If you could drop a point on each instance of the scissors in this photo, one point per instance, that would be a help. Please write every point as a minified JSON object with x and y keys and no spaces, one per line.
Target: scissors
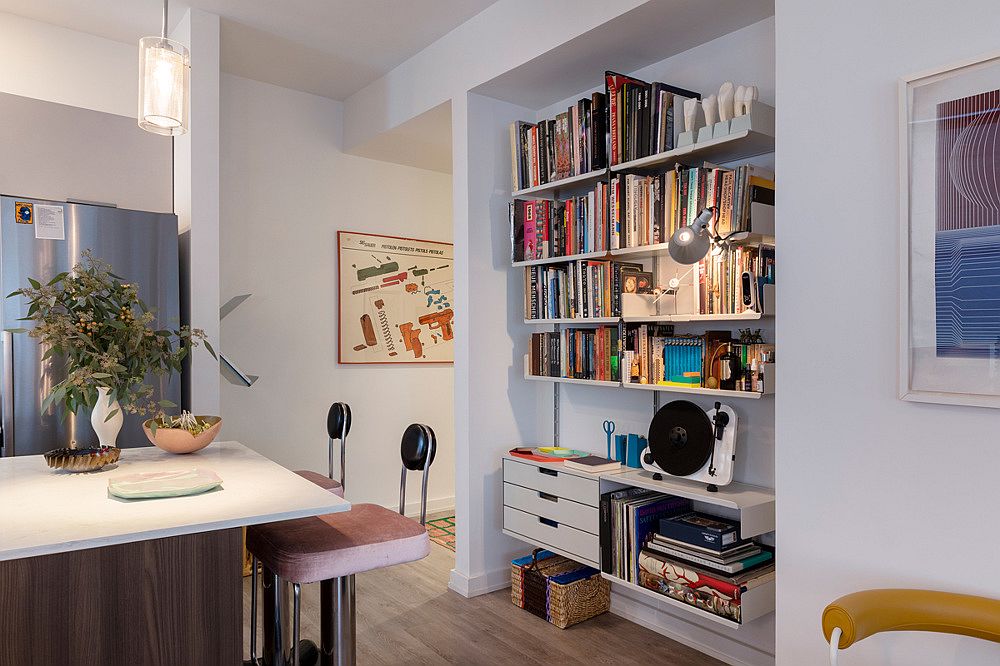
{"x":609,"y":428}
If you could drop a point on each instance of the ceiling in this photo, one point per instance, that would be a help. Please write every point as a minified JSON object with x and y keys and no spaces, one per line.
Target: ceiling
{"x":327,"y":47}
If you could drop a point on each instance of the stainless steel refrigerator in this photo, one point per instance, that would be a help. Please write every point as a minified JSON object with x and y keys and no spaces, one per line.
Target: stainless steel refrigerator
{"x":141,"y":247}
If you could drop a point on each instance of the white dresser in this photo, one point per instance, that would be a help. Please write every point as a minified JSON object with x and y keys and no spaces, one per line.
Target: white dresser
{"x":554,"y":507}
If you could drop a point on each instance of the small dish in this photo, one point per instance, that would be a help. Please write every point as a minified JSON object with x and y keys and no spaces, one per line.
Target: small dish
{"x":82,"y":460}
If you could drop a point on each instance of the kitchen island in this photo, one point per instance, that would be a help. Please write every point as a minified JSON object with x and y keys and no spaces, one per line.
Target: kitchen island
{"x":87,"y":578}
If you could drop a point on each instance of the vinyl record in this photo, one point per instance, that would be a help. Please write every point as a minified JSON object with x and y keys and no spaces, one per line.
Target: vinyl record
{"x":680,"y":438}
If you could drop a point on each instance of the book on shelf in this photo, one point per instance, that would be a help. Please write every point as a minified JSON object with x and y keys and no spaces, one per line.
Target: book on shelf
{"x":641,"y":116}
{"x":575,"y":290}
{"x":572,"y":143}
{"x":631,"y":515}
{"x":715,"y":593}
{"x":541,"y":229}
{"x":731,"y":564}
{"x":702,"y":530}
{"x":653,"y":354}
{"x":593,"y":464}
{"x":575,"y":354}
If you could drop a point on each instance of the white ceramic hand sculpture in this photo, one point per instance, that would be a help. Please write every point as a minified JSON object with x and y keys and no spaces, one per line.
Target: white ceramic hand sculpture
{"x":738,"y":100}
{"x":710,"y":105}
{"x":726,"y":108}
{"x":749,"y":96}
{"x":690,"y":110}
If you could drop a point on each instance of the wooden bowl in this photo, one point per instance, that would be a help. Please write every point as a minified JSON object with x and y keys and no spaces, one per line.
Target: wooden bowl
{"x":82,"y":460}
{"x":178,"y":440}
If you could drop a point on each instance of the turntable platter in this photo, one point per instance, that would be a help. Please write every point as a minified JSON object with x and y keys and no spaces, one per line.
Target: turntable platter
{"x":680,"y":438}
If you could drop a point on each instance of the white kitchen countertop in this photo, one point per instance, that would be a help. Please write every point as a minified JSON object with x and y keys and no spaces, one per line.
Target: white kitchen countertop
{"x":44,"y":511}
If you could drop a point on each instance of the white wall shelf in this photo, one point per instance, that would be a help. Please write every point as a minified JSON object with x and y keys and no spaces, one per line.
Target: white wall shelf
{"x":712,"y":393}
{"x":583,"y":256}
{"x":550,"y":188}
{"x":667,"y":318}
{"x":722,"y":150}
{"x":753,"y":603}
{"x":755,"y":503}
{"x":568,"y":380}
{"x":575,"y":321}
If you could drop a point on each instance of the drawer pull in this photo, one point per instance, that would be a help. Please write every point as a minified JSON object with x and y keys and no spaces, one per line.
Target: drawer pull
{"x":550,"y":472}
{"x":546,"y":521}
{"x":546,"y":496}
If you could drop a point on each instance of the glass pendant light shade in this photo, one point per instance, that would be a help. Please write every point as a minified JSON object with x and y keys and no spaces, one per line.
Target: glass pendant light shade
{"x":164,"y":86}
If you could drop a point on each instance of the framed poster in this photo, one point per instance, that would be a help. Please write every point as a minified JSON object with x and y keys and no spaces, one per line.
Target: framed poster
{"x":950,"y":234}
{"x":396,"y":299}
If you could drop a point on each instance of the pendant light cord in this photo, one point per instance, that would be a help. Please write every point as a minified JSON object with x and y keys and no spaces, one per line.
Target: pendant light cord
{"x":163,"y":33}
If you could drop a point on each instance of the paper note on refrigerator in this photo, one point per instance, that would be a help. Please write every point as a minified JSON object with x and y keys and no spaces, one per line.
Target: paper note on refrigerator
{"x":49,"y":222}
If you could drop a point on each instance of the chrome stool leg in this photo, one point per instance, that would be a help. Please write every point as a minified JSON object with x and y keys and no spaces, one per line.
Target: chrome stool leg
{"x":339,"y":631}
{"x":276,"y":651}
{"x":296,"y":615}
{"x":253,"y":614}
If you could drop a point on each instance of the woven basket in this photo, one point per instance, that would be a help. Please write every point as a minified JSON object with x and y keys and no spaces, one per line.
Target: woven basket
{"x":557,"y":589}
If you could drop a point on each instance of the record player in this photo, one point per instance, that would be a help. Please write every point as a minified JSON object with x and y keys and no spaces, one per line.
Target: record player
{"x":693,"y":443}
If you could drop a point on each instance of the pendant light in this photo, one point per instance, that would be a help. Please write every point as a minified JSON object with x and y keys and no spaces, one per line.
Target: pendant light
{"x":164,"y":83}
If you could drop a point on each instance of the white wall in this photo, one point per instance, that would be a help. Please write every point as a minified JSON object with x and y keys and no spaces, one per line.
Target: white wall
{"x":872,"y":491}
{"x":56,"y":64}
{"x":286,"y":189}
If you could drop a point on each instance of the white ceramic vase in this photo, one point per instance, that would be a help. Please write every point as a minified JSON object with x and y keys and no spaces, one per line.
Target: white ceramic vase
{"x":107,"y":429}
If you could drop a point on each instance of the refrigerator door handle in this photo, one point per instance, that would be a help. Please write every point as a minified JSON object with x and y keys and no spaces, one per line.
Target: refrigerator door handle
{"x":7,"y":411}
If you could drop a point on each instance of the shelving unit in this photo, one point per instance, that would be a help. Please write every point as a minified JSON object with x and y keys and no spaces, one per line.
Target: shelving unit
{"x":575,"y":181}
{"x":576,"y":321}
{"x":670,"y":318}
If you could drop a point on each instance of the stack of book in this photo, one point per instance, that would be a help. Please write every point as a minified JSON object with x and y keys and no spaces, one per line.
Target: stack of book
{"x":700,"y":559}
{"x":628,"y":518}
{"x":541,"y":229}
{"x":720,"y":284}
{"x":575,"y":290}
{"x":640,"y":210}
{"x":576,"y":354}
{"x":570,"y":144}
{"x":641,"y":116}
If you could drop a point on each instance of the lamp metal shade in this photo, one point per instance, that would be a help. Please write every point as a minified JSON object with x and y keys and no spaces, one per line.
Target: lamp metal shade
{"x":164,"y":86}
{"x":689,"y":245}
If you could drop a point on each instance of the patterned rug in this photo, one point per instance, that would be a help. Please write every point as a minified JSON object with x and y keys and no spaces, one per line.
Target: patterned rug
{"x":442,"y":531}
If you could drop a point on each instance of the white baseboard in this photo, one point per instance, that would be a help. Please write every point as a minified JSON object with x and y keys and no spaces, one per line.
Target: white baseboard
{"x":439,"y":505}
{"x":477,"y":585}
{"x":675,"y":627}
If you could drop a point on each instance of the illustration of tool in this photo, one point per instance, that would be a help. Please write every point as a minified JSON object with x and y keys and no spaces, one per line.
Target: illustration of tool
{"x":374,"y":271}
{"x":411,"y":339}
{"x":609,"y":429}
{"x":440,"y":320}
{"x":368,"y":329}
{"x":393,"y":279}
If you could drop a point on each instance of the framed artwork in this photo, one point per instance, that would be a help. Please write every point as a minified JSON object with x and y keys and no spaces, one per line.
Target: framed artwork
{"x":396,"y":298}
{"x":950,"y":234}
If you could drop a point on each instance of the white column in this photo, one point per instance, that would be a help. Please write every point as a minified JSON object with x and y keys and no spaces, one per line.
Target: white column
{"x":196,"y":202}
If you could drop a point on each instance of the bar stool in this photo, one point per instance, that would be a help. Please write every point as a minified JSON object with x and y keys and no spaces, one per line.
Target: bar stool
{"x":338,"y":425}
{"x":330,"y":550}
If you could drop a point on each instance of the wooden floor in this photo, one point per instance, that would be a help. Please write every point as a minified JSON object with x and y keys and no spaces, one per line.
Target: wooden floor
{"x":407,"y":615}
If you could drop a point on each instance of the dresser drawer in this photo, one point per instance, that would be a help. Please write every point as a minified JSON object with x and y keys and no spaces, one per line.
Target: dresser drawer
{"x":563,"y":511}
{"x":545,"y":532}
{"x":577,"y":488}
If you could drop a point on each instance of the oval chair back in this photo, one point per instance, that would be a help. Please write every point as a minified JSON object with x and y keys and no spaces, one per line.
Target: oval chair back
{"x":417,"y":451}
{"x":338,"y":425}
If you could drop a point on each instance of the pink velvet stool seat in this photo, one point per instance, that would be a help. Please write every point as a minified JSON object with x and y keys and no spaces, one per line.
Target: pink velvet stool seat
{"x":308,"y":550}
{"x":323,"y":481}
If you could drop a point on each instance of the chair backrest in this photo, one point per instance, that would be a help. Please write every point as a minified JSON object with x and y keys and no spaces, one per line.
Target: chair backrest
{"x":338,"y":425}
{"x":417,"y":451}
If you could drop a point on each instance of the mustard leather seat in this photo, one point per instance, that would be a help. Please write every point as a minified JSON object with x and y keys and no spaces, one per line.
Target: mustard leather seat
{"x":857,"y":616}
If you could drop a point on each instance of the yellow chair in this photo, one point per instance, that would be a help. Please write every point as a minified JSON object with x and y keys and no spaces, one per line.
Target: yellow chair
{"x":857,"y":616}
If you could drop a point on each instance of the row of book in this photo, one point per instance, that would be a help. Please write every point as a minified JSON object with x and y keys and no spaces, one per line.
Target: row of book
{"x":542,"y":229}
{"x":576,"y":354}
{"x":575,"y":290}
{"x":721,"y":275}
{"x":658,"y":541}
{"x":572,"y":143}
{"x":652,"y":354}
{"x":641,"y":116}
